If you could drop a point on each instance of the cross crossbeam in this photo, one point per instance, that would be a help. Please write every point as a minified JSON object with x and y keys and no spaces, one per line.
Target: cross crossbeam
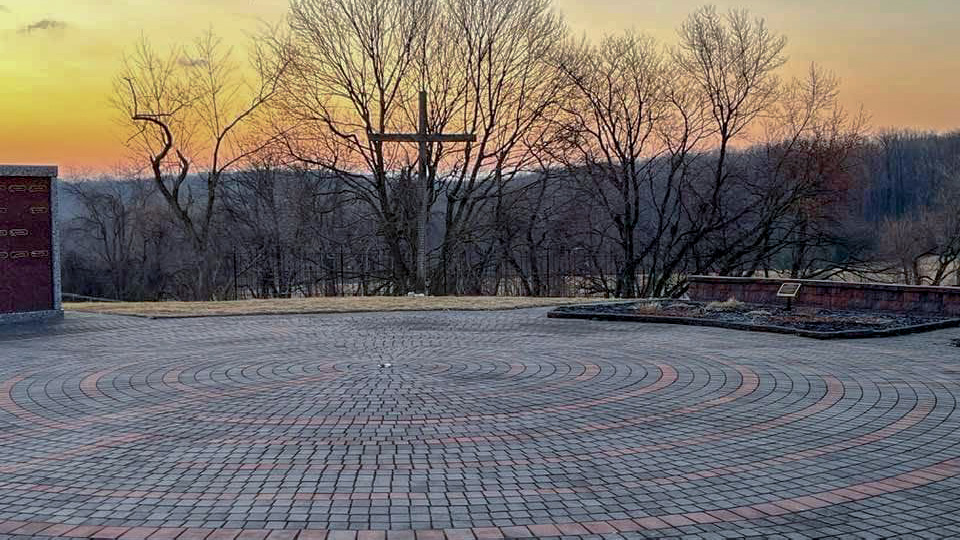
{"x":423,"y":135}
{"x":417,"y":138}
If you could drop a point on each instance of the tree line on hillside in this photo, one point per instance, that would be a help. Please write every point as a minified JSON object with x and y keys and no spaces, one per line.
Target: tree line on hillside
{"x":616,"y":167}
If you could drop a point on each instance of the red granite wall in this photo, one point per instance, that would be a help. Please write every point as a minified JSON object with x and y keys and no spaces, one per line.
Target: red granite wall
{"x":831,"y":294}
{"x":26,"y":245}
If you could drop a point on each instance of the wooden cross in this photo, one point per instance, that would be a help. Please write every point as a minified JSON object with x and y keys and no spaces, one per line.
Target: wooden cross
{"x":423,"y":138}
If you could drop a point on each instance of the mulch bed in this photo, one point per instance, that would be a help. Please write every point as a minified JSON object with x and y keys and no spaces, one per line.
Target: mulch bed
{"x":804,"y":321}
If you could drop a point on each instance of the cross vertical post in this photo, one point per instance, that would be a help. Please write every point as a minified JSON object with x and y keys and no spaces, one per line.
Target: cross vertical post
{"x":423,"y":138}
{"x":423,"y":216}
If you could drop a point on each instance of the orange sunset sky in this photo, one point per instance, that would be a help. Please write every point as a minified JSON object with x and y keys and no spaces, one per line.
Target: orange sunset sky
{"x":900,"y":59}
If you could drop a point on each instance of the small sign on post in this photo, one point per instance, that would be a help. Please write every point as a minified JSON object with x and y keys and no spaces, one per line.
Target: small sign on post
{"x":789,"y":291}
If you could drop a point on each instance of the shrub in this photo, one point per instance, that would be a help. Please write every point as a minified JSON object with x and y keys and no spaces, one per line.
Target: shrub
{"x":731,"y":304}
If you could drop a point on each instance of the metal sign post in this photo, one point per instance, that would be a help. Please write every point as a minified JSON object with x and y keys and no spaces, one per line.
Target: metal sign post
{"x":789,"y":291}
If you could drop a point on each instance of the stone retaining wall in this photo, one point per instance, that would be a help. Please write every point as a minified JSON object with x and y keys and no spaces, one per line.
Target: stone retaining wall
{"x":830,"y":294}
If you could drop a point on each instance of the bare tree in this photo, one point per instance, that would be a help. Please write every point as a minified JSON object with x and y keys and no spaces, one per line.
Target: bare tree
{"x":907,"y":242}
{"x":732,"y":59}
{"x":350,"y":62}
{"x":819,"y":160}
{"x":359,"y":65}
{"x":108,"y":217}
{"x":654,"y":146}
{"x":187,"y":110}
{"x":925,"y":245}
{"x":117,"y":244}
{"x":494,"y":56}
{"x":610,"y":130}
{"x":801,"y":185}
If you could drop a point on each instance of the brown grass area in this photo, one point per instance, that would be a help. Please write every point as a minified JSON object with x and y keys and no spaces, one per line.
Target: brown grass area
{"x":318,"y":305}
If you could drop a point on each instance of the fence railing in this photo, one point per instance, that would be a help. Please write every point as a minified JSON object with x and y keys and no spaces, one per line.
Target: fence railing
{"x":558,"y":273}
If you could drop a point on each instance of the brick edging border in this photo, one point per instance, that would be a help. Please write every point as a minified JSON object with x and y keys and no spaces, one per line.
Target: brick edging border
{"x":139,"y":315}
{"x":25,"y":317}
{"x":690,"y":321}
{"x":873,"y":285}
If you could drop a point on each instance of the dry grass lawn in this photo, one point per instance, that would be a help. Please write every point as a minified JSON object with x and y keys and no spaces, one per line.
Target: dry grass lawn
{"x":318,"y":305}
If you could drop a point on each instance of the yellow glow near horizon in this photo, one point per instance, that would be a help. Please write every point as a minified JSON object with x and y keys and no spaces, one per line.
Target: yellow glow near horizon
{"x":900,"y":60}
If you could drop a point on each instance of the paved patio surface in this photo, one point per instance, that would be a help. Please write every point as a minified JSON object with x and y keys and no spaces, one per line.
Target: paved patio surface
{"x":487,"y":425}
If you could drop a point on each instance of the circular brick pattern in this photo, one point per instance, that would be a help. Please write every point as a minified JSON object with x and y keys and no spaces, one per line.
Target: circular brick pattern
{"x":470,"y":425}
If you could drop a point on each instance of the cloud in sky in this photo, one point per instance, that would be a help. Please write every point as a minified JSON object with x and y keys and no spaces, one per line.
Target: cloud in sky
{"x":43,"y":24}
{"x":191,"y":62}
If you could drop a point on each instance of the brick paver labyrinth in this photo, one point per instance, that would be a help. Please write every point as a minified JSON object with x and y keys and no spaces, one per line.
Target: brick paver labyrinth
{"x":486,"y":425}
